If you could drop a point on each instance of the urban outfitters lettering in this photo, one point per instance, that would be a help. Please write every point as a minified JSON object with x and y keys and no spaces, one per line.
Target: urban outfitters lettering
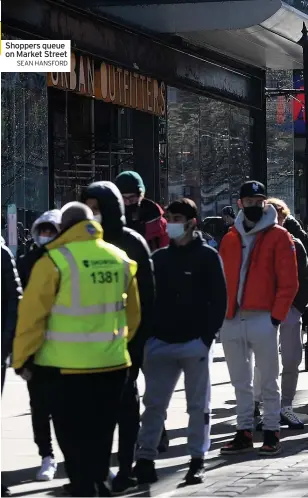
{"x":111,"y":84}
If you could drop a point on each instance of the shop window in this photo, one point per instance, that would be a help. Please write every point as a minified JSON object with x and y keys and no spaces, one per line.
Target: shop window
{"x":280,"y":139}
{"x":209,"y":150}
{"x":24,"y":154}
{"x":90,"y":141}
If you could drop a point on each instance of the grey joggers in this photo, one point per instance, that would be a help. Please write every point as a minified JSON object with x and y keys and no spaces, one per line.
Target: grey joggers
{"x":291,"y":357}
{"x":253,"y":332}
{"x":163,"y":365}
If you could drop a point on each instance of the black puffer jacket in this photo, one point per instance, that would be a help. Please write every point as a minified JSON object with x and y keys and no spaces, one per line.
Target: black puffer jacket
{"x":295,"y":229}
{"x":11,"y":293}
{"x":301,"y":299}
{"x":115,"y":232}
{"x":191,"y":296}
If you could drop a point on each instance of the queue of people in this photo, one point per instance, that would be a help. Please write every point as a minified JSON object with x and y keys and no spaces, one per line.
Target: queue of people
{"x":115,"y":286}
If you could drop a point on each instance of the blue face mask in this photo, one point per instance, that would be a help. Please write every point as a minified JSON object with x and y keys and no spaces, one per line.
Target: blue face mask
{"x":175,"y":230}
{"x":44,"y":240}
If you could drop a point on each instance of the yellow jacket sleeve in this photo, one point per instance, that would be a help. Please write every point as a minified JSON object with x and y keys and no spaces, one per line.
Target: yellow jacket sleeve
{"x":133,"y":311}
{"x":34,"y":309}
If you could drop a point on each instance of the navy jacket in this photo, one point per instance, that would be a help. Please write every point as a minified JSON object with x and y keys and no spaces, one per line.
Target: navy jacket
{"x":191,"y":297}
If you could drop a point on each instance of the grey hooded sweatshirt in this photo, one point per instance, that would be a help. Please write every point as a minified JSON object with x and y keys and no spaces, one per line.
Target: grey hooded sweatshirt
{"x":268,"y":220}
{"x":25,"y":263}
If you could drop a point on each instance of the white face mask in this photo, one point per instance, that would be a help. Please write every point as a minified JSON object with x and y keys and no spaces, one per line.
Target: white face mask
{"x":44,"y":240}
{"x":175,"y":230}
{"x":98,"y":218}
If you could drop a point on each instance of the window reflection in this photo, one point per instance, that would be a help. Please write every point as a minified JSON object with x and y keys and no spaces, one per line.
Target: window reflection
{"x":280,"y":140}
{"x":24,"y":155}
{"x":209,"y":150}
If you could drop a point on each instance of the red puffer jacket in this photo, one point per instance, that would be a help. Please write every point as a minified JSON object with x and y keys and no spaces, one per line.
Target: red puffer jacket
{"x":271,"y":281}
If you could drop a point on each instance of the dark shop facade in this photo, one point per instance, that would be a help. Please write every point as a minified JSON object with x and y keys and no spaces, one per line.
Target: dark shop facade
{"x":190,"y":121}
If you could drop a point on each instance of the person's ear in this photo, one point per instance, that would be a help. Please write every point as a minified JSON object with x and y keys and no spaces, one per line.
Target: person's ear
{"x":240,"y":204}
{"x":191,"y":223}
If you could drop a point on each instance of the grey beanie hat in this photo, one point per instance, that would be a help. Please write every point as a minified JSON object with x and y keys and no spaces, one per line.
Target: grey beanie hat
{"x":73,"y":213}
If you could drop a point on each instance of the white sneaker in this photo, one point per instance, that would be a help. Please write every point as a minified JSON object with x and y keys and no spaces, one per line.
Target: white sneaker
{"x":47,"y":470}
{"x":288,"y":417}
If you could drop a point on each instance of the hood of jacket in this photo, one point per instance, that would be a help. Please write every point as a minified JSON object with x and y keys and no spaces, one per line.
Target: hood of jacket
{"x":268,"y":220}
{"x":53,"y":217}
{"x":111,"y":206}
{"x":81,"y":232}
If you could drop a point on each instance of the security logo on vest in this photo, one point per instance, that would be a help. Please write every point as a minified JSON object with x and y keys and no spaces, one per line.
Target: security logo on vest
{"x":91,"y":229}
{"x":98,"y":262}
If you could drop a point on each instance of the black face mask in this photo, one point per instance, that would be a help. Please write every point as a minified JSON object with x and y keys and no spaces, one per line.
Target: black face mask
{"x":253,"y":213}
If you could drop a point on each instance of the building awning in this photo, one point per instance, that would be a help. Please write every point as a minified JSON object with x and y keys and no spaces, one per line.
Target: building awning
{"x":263,"y":33}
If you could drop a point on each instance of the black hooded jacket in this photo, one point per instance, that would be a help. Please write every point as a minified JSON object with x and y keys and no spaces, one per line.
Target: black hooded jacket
{"x":294,"y":228}
{"x":112,"y":210}
{"x":301,"y":299}
{"x":11,"y":293}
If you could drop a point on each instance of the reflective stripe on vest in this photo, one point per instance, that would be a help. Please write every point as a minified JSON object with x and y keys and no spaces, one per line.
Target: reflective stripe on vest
{"x":76,"y":309}
{"x":85,"y":337}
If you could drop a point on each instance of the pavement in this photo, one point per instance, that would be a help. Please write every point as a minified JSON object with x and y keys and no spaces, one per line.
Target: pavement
{"x":285,"y":475}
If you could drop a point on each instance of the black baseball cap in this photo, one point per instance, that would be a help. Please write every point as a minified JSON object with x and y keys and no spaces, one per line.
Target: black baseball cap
{"x":252,"y":189}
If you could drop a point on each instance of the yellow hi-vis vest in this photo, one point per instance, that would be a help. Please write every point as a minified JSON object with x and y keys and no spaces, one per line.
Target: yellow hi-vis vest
{"x":87,"y":327}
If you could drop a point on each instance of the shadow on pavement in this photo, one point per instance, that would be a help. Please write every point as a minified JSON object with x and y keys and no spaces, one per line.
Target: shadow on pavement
{"x":25,"y":476}
{"x":221,"y":430}
{"x":223,"y":412}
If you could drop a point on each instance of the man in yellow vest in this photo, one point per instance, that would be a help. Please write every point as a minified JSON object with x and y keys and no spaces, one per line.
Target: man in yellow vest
{"x":79,"y":310}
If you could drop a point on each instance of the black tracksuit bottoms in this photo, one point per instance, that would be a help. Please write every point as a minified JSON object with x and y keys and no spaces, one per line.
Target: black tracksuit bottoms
{"x":84,"y":412}
{"x":38,"y":388}
{"x":129,"y":420}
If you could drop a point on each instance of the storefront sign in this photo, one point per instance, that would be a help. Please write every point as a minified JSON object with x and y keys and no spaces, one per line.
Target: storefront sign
{"x":112,"y":84}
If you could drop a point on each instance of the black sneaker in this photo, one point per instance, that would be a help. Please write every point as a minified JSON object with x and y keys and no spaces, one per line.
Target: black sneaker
{"x":66,"y":490}
{"x":103,"y":490}
{"x":242,"y":443}
{"x":289,"y":418}
{"x":195,"y":474}
{"x":122,"y":483}
{"x":271,"y":445}
{"x":145,"y":471}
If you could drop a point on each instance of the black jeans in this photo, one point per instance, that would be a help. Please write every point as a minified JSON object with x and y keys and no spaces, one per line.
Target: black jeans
{"x":129,"y":419}
{"x":38,"y":388}
{"x":84,"y":412}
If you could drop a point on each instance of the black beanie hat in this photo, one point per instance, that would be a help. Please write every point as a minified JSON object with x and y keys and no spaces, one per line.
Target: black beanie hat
{"x":185,"y":207}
